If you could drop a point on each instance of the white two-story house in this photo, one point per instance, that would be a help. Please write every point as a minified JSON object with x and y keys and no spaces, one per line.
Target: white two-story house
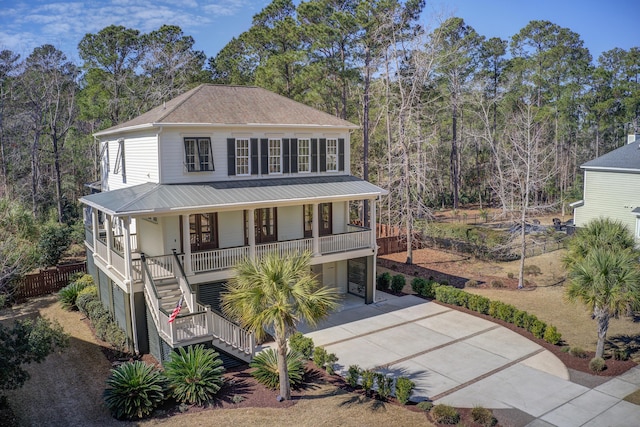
{"x":219,"y":174}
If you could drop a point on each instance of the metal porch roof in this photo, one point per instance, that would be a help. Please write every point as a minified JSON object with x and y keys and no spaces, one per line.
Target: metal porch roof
{"x":151,"y":199}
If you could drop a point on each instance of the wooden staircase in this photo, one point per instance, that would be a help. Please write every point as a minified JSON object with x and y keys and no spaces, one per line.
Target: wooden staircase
{"x":169,"y":293}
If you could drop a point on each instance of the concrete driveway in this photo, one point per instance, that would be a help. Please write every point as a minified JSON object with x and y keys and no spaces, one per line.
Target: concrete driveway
{"x":465,"y":361}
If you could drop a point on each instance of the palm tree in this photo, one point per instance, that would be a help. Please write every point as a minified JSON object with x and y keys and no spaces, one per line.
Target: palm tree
{"x":277,"y":293}
{"x":608,"y":282}
{"x":598,"y":233}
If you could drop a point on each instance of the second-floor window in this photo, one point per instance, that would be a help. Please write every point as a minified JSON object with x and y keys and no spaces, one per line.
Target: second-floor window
{"x":198,"y":156}
{"x":242,"y":157}
{"x":304,"y":155}
{"x":275,"y":156}
{"x":332,"y":155}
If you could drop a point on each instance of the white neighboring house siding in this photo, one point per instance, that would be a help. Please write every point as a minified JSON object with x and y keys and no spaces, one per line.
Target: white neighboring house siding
{"x":172,"y":155}
{"x":231,"y":229}
{"x":140,"y":161}
{"x":609,"y":194}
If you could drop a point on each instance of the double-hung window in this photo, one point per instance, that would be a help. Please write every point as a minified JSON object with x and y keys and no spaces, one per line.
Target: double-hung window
{"x":275,"y":156}
{"x":332,"y":155}
{"x":198,"y":156}
{"x":304,"y":155}
{"x":242,"y":157}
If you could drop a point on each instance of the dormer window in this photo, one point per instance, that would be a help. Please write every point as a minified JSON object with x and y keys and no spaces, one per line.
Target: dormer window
{"x":198,"y":156}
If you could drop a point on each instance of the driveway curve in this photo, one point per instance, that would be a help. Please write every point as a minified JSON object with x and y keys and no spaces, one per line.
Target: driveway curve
{"x":465,"y":361}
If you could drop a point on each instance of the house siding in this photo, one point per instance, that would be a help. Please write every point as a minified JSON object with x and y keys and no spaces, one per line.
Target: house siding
{"x":150,"y":238}
{"x":172,"y":156}
{"x":231,"y":229}
{"x":140,"y":163}
{"x":339,"y":217}
{"x":609,"y":194}
{"x":290,"y":223}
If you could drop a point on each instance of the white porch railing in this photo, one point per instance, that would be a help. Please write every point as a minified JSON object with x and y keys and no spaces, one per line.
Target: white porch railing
{"x":161,"y":267}
{"x":101,"y":250}
{"x":218,"y":259}
{"x":88,"y":237}
{"x":283,"y":248}
{"x":345,"y":242}
{"x":117,"y":261}
{"x":118,"y":243}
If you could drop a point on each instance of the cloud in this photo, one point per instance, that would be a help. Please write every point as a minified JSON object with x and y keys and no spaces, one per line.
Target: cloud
{"x":224,"y":7}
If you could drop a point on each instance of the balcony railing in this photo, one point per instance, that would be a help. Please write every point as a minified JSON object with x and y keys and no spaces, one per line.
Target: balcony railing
{"x":220,"y":259}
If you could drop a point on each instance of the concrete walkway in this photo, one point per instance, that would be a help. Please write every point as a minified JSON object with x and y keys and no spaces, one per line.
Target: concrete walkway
{"x":465,"y":361}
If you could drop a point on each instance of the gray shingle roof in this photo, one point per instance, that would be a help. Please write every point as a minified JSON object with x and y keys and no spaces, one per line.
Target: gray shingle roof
{"x":150,"y":198}
{"x":626,"y":158}
{"x":232,"y":105}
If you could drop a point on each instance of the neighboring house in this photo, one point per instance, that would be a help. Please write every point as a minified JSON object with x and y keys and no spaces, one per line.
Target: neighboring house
{"x":218,"y":174}
{"x":611,"y":185}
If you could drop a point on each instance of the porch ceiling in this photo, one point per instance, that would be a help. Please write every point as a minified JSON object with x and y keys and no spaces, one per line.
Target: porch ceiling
{"x":150,"y":198}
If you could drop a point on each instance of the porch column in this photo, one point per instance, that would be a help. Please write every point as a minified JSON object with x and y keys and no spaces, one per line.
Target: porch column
{"x":315,"y":230}
{"x":96,"y":229}
{"x":126,"y":224}
{"x":109,"y":230}
{"x":252,"y":233}
{"x":374,"y":245}
{"x":186,"y":244}
{"x":372,"y":222}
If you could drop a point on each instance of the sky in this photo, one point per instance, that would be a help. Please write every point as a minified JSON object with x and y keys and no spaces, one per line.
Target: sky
{"x":26,"y":24}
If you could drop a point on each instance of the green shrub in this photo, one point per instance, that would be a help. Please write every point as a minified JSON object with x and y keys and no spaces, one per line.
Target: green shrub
{"x":578,"y":352}
{"x":353,"y":375}
{"x":68,"y":295}
{"x":134,"y":390}
{"x":505,"y":312}
{"x":518,"y":318}
{"x":537,"y":328}
{"x":445,"y":414}
{"x":418,"y":284}
{"x":368,"y":379}
{"x":194,"y":374}
{"x":84,"y":279}
{"x":384,"y":384}
{"x":330,"y":363}
{"x":54,"y":241}
{"x":494,"y":308}
{"x":551,"y":335}
{"x":95,"y":310}
{"x":528,"y":321}
{"x":115,"y":336}
{"x":397,"y":283}
{"x":404,"y":389}
{"x":101,"y":325}
{"x":425,"y":405}
{"x":383,"y":281}
{"x":621,"y":354}
{"x":319,"y":357}
{"x":88,"y":294}
{"x":597,"y":364}
{"x":303,"y":345}
{"x":483,"y":416}
{"x":266,"y":368}
{"x":482,"y":304}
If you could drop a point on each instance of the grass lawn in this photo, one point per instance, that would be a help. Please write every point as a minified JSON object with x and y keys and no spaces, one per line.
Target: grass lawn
{"x":547,"y":301}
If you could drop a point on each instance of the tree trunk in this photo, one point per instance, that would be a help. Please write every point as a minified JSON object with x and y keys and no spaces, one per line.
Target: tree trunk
{"x":365,"y":132}
{"x":454,"y":155}
{"x":56,"y":166}
{"x":283,"y":371}
{"x":603,"y":325}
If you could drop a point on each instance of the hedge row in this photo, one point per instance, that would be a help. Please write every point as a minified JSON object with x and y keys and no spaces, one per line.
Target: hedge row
{"x":498,"y":310}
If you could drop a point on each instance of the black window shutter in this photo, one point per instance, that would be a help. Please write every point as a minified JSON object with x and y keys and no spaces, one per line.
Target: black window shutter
{"x":231,"y":156}
{"x":264,"y":156}
{"x":323,"y":155}
{"x":314,"y":155}
{"x":294,"y":155}
{"x":285,"y":156}
{"x":341,"y":154}
{"x":254,"y":156}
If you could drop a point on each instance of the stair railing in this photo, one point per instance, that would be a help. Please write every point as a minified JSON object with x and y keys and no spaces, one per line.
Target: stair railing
{"x":185,"y":286}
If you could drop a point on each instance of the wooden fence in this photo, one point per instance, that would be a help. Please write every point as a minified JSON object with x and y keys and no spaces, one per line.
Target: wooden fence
{"x":46,"y":281}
